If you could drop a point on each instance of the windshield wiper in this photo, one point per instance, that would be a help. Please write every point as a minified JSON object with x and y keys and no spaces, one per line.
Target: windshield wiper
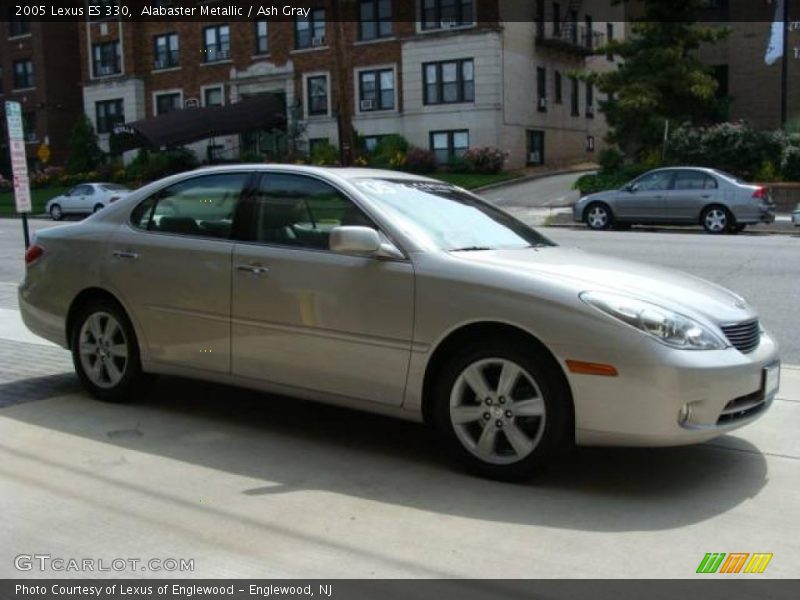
{"x":471,"y":248}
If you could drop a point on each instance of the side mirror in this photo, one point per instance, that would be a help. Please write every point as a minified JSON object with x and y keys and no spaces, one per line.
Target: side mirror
{"x":632,"y":187}
{"x":355,"y":240}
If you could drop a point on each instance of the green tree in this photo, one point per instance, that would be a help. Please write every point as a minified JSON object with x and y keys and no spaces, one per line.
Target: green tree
{"x":660,"y":77}
{"x":84,"y":153}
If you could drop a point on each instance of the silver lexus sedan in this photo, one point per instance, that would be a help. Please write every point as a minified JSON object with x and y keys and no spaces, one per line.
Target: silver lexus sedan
{"x":718,"y":201}
{"x":401,"y":295}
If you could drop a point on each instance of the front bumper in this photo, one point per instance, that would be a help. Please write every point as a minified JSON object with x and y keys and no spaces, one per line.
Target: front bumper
{"x":643,"y":405}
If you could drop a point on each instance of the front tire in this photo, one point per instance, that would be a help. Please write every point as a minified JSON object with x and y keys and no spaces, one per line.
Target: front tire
{"x":56,"y":213}
{"x":598,"y":216}
{"x":716,"y":219}
{"x":501,"y":409}
{"x":105,"y":352}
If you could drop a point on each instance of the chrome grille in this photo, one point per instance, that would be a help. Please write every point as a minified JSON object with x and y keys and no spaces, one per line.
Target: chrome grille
{"x":743,"y":336}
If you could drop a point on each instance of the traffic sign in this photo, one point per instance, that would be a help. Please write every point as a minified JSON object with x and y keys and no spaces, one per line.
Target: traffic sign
{"x":19,"y":164}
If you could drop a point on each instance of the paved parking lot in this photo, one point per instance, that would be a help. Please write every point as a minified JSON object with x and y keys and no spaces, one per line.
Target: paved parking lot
{"x":253,"y":485}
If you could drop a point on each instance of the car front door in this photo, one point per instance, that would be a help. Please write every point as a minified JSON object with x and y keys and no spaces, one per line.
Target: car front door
{"x":172,"y":267}
{"x":644,"y":200}
{"x":691,"y":192}
{"x":74,"y":199}
{"x":309,"y":318}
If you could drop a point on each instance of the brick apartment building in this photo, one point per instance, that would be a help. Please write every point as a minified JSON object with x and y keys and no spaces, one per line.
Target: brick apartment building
{"x":753,"y":86}
{"x":446,"y":74}
{"x":39,"y":68}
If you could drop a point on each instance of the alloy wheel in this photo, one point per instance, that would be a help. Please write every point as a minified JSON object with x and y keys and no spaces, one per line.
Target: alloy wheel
{"x":103,"y":350}
{"x":597,"y":217}
{"x":716,"y":220}
{"x":497,"y":411}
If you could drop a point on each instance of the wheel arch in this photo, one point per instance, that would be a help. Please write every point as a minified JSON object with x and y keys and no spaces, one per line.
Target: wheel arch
{"x":83,"y":298}
{"x":470,"y":332}
{"x":600,"y":202}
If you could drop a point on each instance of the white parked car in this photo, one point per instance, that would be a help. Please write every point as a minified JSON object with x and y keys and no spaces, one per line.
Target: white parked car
{"x":796,"y":216}
{"x":85,"y":199}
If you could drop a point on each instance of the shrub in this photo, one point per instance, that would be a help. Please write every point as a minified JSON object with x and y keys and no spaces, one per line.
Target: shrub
{"x":84,"y":153}
{"x":325,"y":154}
{"x":610,"y":159}
{"x":419,"y":160}
{"x":790,"y":163}
{"x":599,"y":182}
{"x":486,"y":160}
{"x":389,"y":148}
{"x":459,"y":164}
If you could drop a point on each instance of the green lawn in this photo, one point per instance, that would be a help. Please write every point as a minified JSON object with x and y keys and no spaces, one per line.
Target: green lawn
{"x":474,"y":180}
{"x":39,"y":198}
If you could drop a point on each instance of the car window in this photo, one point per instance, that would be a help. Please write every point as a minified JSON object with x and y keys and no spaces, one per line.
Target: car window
{"x":203,"y":206}
{"x":300,"y":211}
{"x":114,"y":187}
{"x":694,"y":180}
{"x":659,"y":180}
{"x":87,"y":190}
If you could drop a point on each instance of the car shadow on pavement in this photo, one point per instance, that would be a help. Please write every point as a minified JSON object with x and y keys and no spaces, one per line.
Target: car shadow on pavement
{"x":294,"y":445}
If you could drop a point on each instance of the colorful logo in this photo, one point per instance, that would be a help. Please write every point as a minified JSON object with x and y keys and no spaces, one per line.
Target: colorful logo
{"x":735,"y":562}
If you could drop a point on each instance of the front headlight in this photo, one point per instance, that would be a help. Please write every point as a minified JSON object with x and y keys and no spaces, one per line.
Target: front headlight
{"x":667,"y":326}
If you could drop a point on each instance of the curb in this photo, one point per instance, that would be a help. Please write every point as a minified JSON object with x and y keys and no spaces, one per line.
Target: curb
{"x":526,"y":178}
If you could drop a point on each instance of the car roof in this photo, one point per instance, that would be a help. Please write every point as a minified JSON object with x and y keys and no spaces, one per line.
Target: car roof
{"x":339,"y":172}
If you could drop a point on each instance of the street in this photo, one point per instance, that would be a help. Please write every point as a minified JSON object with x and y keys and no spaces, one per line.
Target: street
{"x":247,"y":484}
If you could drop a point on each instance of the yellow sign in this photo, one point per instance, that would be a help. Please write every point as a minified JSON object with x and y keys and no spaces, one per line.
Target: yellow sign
{"x":43,"y":153}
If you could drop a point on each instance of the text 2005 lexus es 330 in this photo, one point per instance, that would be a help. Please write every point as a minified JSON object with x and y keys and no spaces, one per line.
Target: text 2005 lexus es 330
{"x":401,"y":295}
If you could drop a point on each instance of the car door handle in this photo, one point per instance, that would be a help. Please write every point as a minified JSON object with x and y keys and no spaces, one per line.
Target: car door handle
{"x":254,"y":269}
{"x":126,"y":254}
{"x":706,"y":196}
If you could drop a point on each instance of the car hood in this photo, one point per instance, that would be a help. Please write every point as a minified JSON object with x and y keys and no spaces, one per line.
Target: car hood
{"x":583,"y":271}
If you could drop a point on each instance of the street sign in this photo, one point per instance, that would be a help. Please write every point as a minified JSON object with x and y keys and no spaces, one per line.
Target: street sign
{"x":19,"y":164}
{"x":44,"y":153}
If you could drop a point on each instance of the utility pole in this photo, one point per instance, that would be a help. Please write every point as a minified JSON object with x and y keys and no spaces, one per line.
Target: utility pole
{"x":785,"y":66}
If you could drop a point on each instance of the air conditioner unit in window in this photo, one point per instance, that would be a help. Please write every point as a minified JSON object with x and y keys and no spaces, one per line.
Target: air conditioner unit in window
{"x":367,"y":105}
{"x":160,"y":64}
{"x":448,"y":24}
{"x":105,"y":70}
{"x":542,"y":103}
{"x":318,"y":41}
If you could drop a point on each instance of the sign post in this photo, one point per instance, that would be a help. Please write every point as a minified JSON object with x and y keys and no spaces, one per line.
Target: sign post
{"x":19,"y":165}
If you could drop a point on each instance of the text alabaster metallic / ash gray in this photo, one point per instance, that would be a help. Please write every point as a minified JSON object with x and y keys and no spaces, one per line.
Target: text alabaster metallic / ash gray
{"x":360,"y":329}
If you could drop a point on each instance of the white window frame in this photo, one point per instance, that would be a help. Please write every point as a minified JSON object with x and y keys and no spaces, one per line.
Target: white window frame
{"x":357,"y":89}
{"x":306,"y":107}
{"x":421,"y":30}
{"x":212,"y":86}
{"x":166,"y":93}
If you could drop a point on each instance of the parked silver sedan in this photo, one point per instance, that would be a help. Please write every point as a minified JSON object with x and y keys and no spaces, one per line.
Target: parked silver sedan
{"x":401,"y":295}
{"x":85,"y":199}
{"x":718,"y":201}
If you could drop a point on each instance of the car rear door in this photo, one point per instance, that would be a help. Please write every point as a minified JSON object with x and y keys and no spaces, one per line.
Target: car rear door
{"x":306,"y":317}
{"x":692,"y":190}
{"x":171,"y":265}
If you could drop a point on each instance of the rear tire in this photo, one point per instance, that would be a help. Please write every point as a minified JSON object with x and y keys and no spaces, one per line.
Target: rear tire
{"x":56,"y":213}
{"x":105,"y":352}
{"x":716,"y":219}
{"x":598,"y":216}
{"x":502,"y":409}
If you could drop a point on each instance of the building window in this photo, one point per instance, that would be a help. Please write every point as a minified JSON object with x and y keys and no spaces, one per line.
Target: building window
{"x":370,"y":142}
{"x":108,"y":113}
{"x":376,"y":90}
{"x":449,"y":82}
{"x":168,"y":102}
{"x":317,"y":90}
{"x":23,"y":74}
{"x":558,"y":85}
{"x":105,"y":59}
{"x":262,"y":37}
{"x":541,"y":88}
{"x":573,"y":27}
{"x":573,"y":96}
{"x":535,"y":147}
{"x":217,"y":43}
{"x":540,"y":18}
{"x":165,"y":51}
{"x":375,"y":19}
{"x":589,"y":99}
{"x":556,"y":19}
{"x":609,"y":38}
{"x":720,"y":73}
{"x":590,"y":143}
{"x":444,"y":14}
{"x":309,"y":31}
{"x":17,"y":26}
{"x":213,"y":96}
{"x":447,"y":145}
{"x":29,"y":126}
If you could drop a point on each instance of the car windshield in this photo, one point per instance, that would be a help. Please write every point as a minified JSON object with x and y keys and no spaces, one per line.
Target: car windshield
{"x":114,"y":187}
{"x":448,"y":217}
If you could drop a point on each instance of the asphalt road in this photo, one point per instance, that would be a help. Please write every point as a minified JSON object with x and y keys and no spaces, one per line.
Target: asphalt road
{"x":550,"y":191}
